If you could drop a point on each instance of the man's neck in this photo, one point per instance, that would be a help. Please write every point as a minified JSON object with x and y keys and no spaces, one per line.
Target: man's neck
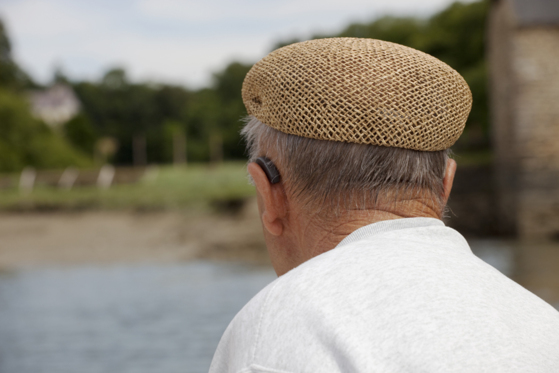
{"x":318,"y":235}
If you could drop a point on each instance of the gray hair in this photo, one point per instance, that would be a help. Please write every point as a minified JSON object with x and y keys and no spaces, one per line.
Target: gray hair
{"x":341,"y":176}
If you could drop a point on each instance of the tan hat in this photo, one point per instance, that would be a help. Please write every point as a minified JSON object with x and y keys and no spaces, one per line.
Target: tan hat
{"x":363,"y":91}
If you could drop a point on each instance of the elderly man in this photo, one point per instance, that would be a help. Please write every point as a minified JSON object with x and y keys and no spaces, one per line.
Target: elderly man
{"x":348,"y":142}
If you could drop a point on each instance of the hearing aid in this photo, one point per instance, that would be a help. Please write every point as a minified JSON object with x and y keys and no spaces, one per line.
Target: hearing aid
{"x":269,"y":169}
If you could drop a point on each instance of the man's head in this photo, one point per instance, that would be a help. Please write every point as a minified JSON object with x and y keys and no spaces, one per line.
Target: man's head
{"x":359,"y":130}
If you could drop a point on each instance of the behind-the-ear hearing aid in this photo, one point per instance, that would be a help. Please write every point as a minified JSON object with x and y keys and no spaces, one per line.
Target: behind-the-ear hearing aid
{"x":269,"y":169}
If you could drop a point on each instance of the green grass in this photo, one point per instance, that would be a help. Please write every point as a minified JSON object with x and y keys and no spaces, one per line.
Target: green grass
{"x":168,"y":188}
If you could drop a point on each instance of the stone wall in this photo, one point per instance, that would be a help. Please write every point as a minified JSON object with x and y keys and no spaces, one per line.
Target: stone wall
{"x":524,"y":70}
{"x":536,"y":67}
{"x":500,"y":40}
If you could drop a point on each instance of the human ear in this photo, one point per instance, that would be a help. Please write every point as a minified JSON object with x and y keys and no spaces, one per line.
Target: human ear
{"x":273,"y":203}
{"x":448,"y":179}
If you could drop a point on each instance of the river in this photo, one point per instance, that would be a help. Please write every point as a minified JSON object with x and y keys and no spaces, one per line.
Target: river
{"x":160,"y":318}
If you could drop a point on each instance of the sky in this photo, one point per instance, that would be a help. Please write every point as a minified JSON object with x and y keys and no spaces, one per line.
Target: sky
{"x":174,"y":41}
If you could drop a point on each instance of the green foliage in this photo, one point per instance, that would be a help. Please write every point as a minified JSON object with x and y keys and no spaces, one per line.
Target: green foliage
{"x":396,"y":30}
{"x":160,"y":140}
{"x":477,"y":133}
{"x":10,"y":160}
{"x":120,"y":109}
{"x":115,"y":79}
{"x":11,"y":76}
{"x":81,"y":134}
{"x":211,"y":117}
{"x":203,"y":115}
{"x":27,"y":142}
{"x":456,"y":35}
{"x":50,"y":151}
{"x":228,"y":85}
{"x":195,"y":186}
{"x":24,"y":140}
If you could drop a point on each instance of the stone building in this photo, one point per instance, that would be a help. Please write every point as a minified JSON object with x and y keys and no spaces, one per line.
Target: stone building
{"x":55,"y":105}
{"x":523,"y":50}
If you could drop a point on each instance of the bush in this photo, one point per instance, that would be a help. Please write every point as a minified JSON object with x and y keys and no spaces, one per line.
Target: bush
{"x":26,"y":141}
{"x":81,"y":134}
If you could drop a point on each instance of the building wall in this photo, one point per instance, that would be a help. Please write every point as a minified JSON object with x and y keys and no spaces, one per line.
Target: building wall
{"x":55,"y":105}
{"x":536,"y":120}
{"x":502,"y":96}
{"x":524,"y":81}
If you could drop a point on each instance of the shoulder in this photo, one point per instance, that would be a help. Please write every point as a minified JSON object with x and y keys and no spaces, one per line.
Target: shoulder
{"x":363,"y":302}
{"x":237,"y":346}
{"x":263,"y":326}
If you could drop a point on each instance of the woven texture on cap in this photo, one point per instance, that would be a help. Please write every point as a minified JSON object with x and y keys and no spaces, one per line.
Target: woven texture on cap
{"x":362,"y":91}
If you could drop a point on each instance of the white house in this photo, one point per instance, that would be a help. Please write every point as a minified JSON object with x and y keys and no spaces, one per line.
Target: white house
{"x":55,"y":105}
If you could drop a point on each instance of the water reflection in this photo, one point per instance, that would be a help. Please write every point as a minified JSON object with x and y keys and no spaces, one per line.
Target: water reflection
{"x":537,"y":268}
{"x":120,"y":319}
{"x":168,"y":318}
{"x":533,"y":264}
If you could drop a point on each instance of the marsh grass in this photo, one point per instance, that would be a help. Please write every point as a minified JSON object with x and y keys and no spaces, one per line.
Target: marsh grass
{"x":167,"y":188}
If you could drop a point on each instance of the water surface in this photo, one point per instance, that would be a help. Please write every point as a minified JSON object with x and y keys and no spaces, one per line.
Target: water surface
{"x":148,"y":318}
{"x":167,"y":318}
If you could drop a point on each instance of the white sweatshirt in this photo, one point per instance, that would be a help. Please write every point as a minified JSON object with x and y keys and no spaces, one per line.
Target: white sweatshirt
{"x":402,"y":295}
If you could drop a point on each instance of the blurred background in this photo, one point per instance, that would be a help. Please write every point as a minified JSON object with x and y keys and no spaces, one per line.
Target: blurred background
{"x":129,"y":235}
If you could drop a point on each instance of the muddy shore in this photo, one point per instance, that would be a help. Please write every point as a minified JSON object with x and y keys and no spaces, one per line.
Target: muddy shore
{"x":233,"y":233}
{"x":102,"y":237}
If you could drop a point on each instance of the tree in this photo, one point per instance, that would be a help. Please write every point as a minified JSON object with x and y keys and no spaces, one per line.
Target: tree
{"x":125,"y":111}
{"x":227,"y":85}
{"x":26,"y":141}
{"x":210,"y":118}
{"x":81,"y":134}
{"x":11,"y":76}
{"x":204,"y":114}
{"x":394,"y":29}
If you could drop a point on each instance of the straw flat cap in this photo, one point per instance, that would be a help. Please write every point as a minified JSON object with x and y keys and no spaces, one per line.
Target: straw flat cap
{"x":363,"y":91}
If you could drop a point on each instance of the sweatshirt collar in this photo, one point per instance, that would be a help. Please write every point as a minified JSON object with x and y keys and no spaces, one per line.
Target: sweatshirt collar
{"x":389,"y":226}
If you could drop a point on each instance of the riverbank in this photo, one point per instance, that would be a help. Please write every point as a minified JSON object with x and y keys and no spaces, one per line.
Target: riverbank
{"x":109,"y":237}
{"x":116,"y":238}
{"x":166,"y":188}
